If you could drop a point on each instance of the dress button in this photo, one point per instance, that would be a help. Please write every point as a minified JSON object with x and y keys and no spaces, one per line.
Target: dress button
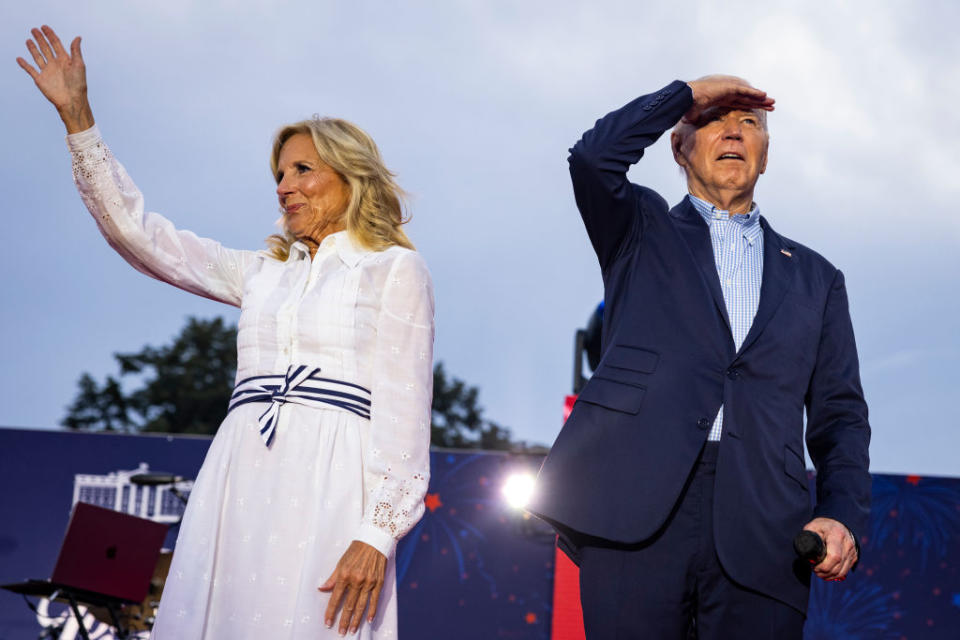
{"x":703,"y":423}
{"x":733,"y":374}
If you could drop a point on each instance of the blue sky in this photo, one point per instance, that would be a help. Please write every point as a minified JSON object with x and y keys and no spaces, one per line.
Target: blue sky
{"x":474,"y":105}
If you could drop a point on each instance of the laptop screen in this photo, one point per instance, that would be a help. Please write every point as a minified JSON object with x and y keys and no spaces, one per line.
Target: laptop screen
{"x":109,"y":552}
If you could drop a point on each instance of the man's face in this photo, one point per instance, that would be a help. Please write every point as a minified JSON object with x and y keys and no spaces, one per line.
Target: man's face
{"x":724,"y":151}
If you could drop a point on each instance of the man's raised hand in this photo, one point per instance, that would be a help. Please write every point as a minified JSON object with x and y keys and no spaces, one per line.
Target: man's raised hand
{"x":61,"y":76}
{"x":728,"y":92}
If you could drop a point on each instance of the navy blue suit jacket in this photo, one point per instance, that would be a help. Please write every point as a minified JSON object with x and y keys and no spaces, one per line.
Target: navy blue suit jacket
{"x":669,"y":363}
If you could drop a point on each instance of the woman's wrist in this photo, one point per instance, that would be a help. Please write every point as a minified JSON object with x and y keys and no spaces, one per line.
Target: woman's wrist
{"x":76,"y":116}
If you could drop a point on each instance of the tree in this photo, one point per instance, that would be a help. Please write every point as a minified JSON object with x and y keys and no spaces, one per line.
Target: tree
{"x":184,"y":388}
{"x":458,"y":419}
{"x":185,"y":385}
{"x":103,"y":408}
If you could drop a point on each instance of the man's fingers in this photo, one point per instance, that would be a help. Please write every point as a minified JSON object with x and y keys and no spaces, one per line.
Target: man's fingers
{"x":54,"y":41}
{"x":26,"y":66}
{"x":841,"y":554}
{"x":845,"y":567}
{"x":745,"y":106}
{"x":839,"y":572}
{"x":75,"y":49}
{"x":738,"y":93}
{"x":748,"y":91}
{"x":828,"y":566}
{"x":831,"y":561}
{"x":841,"y":548}
{"x":849,"y":557}
{"x":738,"y":102}
{"x":750,"y":94}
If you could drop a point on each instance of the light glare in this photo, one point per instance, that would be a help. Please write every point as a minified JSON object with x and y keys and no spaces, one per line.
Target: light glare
{"x":518,"y":489}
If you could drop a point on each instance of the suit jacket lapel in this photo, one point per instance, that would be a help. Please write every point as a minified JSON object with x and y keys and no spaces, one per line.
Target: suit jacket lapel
{"x":697,"y":235}
{"x":778,"y":273}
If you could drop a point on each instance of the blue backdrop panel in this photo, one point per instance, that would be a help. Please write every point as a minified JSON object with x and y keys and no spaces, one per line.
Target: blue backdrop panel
{"x":907,"y":587}
{"x":472,"y":568}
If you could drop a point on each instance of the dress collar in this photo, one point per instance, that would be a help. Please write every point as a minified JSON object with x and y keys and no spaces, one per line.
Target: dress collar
{"x":341,"y":242}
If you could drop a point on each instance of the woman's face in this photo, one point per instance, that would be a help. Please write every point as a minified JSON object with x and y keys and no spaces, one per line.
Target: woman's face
{"x":313,"y":196}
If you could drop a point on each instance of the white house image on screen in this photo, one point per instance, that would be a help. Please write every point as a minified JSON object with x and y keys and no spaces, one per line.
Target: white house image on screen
{"x":115,"y":491}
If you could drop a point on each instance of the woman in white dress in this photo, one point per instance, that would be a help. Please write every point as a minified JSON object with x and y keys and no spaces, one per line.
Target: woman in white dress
{"x":322,"y":462}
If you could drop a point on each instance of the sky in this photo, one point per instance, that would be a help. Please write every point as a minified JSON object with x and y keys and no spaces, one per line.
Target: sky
{"x":474,"y":105}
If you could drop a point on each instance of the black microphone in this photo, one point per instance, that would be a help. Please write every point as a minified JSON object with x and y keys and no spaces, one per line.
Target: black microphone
{"x":155,"y":478}
{"x":809,"y":546}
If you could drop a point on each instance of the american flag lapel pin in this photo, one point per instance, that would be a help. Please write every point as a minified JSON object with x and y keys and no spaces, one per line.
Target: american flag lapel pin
{"x":786,"y":253}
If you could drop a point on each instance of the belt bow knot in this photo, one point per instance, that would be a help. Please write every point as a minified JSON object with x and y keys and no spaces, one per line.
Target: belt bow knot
{"x":293,"y":388}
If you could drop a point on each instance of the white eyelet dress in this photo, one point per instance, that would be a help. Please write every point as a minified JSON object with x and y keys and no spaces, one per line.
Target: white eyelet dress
{"x":266,"y":525}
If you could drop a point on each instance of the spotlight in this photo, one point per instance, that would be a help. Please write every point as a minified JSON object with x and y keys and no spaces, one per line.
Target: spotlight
{"x":518,"y":489}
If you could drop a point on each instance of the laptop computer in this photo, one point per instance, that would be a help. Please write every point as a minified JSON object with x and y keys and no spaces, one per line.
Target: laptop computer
{"x":108,"y":552}
{"x":107,"y":559}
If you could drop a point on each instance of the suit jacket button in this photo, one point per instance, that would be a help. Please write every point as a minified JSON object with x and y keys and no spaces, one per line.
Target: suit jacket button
{"x":703,"y":423}
{"x":733,"y":374}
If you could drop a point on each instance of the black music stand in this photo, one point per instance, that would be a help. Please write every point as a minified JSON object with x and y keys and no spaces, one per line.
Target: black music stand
{"x":74,"y":597}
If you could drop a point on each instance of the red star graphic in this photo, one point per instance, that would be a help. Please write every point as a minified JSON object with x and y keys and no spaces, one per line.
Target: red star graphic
{"x":432,"y":501}
{"x":531,"y":618}
{"x":914,"y":480}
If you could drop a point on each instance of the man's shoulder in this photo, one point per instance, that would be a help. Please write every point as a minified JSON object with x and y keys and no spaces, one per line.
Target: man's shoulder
{"x":805,"y":256}
{"x":648,"y":199}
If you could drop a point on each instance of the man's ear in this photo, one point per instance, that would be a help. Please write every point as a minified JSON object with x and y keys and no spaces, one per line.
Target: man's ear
{"x":766,"y":149}
{"x":676,"y":145}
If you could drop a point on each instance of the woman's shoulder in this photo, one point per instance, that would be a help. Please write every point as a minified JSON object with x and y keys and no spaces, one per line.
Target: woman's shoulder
{"x":405,"y":267}
{"x":402,"y":258}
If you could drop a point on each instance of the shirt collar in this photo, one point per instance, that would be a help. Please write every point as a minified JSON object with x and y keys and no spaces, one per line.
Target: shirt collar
{"x":750,"y":221}
{"x":341,"y":242}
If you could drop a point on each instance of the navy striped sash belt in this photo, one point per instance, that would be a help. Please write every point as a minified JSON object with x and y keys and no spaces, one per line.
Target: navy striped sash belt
{"x":301,"y":385}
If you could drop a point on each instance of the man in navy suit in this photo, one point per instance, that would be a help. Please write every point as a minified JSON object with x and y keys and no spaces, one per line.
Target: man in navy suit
{"x":678,"y":481}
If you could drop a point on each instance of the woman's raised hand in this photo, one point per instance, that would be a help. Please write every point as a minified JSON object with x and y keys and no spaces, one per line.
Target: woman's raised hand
{"x":62,"y":77}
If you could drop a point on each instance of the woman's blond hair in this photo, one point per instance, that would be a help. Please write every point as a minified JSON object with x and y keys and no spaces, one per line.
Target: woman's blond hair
{"x":375,"y":211}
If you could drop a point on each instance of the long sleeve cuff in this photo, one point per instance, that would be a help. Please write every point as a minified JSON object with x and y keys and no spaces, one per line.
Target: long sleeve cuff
{"x":84,"y":139}
{"x":377,"y":538}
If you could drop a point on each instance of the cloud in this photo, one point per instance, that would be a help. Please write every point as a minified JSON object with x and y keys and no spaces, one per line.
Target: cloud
{"x":905,"y":361}
{"x":475,"y":104}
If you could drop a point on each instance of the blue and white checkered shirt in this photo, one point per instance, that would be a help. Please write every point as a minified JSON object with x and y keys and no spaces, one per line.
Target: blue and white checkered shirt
{"x":738,"y":253}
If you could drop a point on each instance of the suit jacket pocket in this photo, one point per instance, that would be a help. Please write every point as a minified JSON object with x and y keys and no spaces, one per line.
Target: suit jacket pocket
{"x":794,"y":466}
{"x":619,"y":396}
{"x":624,"y":356}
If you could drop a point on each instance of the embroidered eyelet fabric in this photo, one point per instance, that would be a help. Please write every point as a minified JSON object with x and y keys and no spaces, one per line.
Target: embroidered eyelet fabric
{"x":265,"y":526}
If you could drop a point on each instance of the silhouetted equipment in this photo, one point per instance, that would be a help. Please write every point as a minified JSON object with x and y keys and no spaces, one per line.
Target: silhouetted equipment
{"x":587,"y":342}
{"x":155,"y":478}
